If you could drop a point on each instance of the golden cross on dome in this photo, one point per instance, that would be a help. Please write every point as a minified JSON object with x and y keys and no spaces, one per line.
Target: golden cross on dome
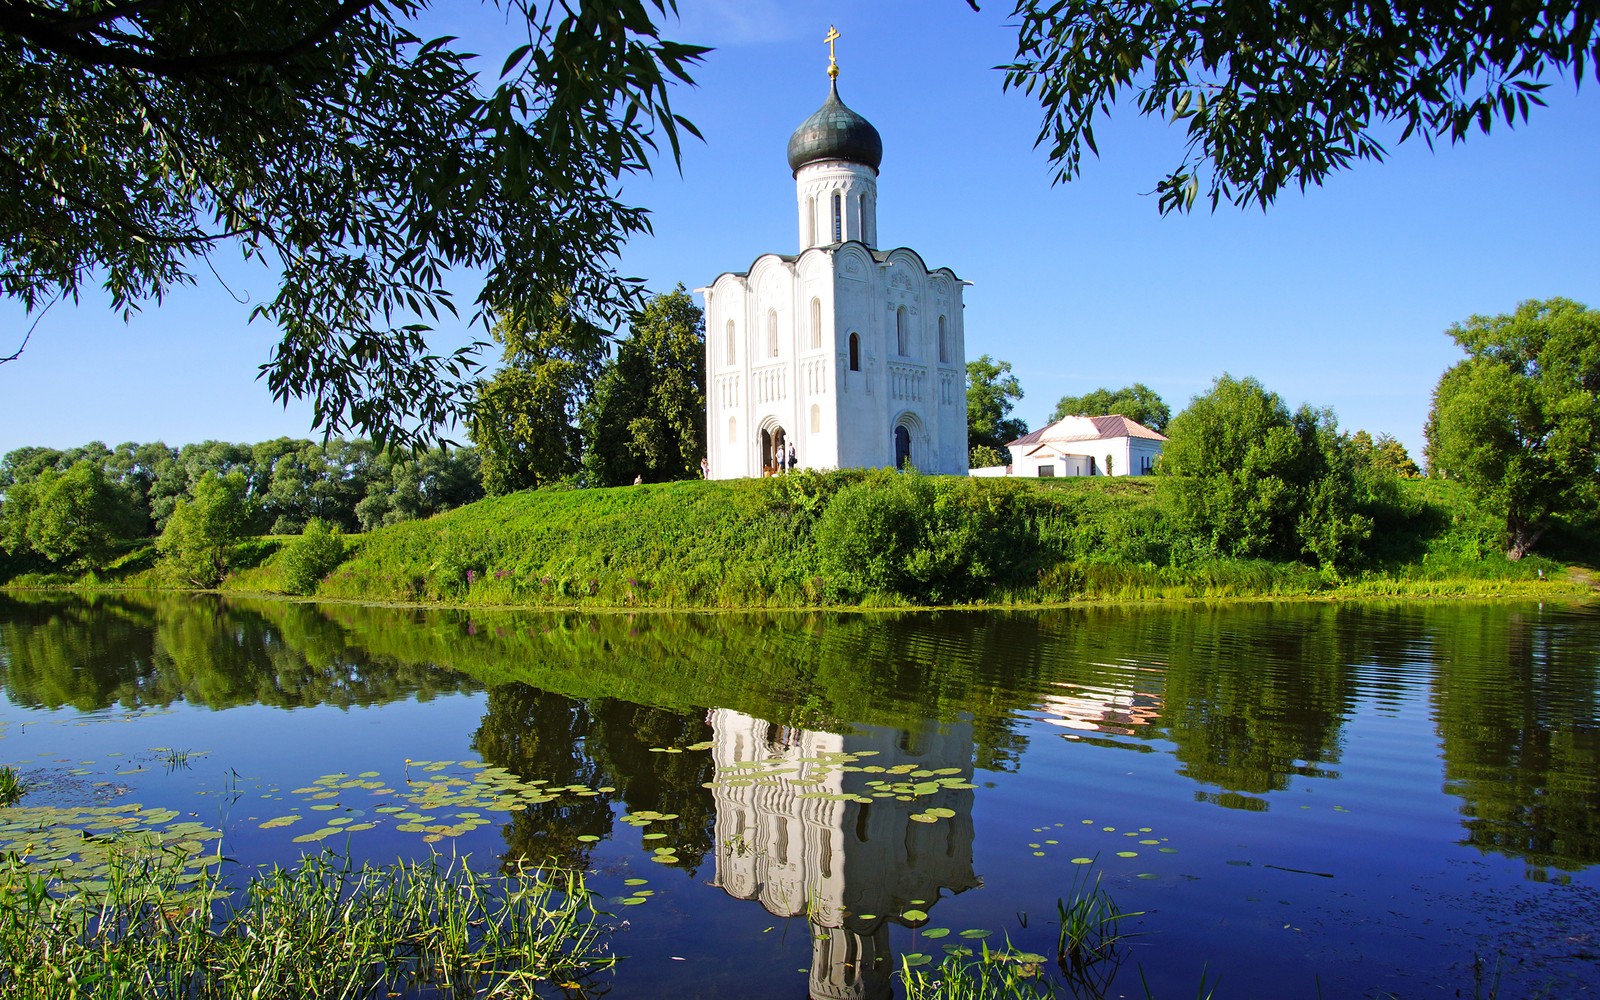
{"x":833,"y":64}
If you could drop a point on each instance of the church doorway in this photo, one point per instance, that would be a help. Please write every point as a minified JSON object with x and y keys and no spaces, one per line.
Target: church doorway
{"x":902,"y":447}
{"x":774,"y":450}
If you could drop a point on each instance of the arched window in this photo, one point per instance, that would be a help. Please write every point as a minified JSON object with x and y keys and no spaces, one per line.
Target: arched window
{"x":855,"y":352}
{"x":733,"y":357}
{"x":772,"y":332}
{"x":944,"y":342}
{"x":733,"y":430}
{"x":816,"y":323}
{"x":816,"y":418}
{"x":838,"y":217}
{"x":811,"y":220}
{"x":902,"y":333}
{"x":902,"y":447}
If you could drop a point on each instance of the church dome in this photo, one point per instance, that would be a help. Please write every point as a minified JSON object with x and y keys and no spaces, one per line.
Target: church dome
{"x":834,"y":132}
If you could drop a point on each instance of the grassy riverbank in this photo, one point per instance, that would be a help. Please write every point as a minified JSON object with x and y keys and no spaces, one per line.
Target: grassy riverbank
{"x":879,"y":539}
{"x":321,"y":928}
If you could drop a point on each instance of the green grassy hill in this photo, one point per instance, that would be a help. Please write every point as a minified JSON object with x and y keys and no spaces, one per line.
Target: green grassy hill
{"x":902,"y":540}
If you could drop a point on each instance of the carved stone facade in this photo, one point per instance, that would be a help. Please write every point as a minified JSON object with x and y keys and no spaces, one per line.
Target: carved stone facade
{"x":854,"y":357}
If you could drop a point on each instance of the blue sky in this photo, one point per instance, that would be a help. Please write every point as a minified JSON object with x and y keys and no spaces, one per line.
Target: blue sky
{"x":1338,"y":297}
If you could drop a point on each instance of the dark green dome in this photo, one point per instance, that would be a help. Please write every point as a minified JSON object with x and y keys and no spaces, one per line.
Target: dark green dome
{"x":834,"y":132}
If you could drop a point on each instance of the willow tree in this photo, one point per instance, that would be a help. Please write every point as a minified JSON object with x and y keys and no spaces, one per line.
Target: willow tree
{"x":360,"y":160}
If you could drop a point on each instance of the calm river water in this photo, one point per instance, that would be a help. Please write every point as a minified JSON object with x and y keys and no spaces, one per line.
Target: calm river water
{"x":1302,"y":800}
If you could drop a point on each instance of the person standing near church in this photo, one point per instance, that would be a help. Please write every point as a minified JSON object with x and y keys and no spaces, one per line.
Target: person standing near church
{"x":793,"y":461}
{"x":782,"y":458}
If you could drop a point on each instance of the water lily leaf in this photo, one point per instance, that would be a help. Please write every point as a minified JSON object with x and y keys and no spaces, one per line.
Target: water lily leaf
{"x":975,"y":932}
{"x":914,"y":914}
{"x":935,"y":932}
{"x":917,"y":958}
{"x":1083,"y":861}
{"x":635,"y":881}
{"x":273,"y":824}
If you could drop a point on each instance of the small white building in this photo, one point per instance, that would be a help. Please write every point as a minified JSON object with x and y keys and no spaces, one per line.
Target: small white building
{"x":851,"y":356}
{"x":1083,"y":446}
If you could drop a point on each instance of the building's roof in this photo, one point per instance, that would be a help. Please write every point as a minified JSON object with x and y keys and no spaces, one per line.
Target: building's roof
{"x":1085,"y":429}
{"x":834,"y":132}
{"x":880,"y":256}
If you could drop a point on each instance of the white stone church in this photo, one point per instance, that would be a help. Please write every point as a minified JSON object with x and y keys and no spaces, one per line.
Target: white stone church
{"x":843,"y":355}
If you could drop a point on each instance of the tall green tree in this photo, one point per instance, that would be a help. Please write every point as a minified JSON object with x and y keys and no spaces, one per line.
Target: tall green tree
{"x":1280,"y":95}
{"x":991,"y":393}
{"x":73,"y":519}
{"x":359,"y":160}
{"x":647,"y":416}
{"x":1518,"y":421}
{"x":1383,"y":453}
{"x":408,"y":486}
{"x":525,"y":421}
{"x":1248,"y":478}
{"x":195,"y":544}
{"x":1136,"y":402}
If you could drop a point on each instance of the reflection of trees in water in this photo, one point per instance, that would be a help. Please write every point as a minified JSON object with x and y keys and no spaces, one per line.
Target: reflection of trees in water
{"x":85,"y":655}
{"x":603,"y":743}
{"x":1516,"y":704}
{"x":1254,"y":697}
{"x":802,"y":669}
{"x":535,"y":734}
{"x":199,"y":649}
{"x":1250,"y":697}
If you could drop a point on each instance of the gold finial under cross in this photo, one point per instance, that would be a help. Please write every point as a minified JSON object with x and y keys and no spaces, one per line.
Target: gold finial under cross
{"x":833,"y":63}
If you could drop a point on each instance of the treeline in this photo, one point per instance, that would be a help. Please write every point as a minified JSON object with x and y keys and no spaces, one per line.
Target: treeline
{"x":76,"y":508}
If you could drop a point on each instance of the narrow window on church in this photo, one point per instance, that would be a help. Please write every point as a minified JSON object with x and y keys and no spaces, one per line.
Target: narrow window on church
{"x":772,"y":332}
{"x":816,"y":419}
{"x":733,"y":430}
{"x":944,"y":343}
{"x":811,"y":221}
{"x":902,"y":333}
{"x":855,"y":352}
{"x":732,"y":356}
{"x":838,"y":217}
{"x":816,"y":323}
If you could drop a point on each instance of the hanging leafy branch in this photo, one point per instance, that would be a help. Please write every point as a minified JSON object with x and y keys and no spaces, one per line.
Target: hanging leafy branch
{"x":362,"y":162}
{"x":1284,"y":93}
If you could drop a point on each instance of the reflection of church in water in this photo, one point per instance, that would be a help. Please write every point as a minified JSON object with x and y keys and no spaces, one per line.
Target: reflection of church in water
{"x":787,"y":836}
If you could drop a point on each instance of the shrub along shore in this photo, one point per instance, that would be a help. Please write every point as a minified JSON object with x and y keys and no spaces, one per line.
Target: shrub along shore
{"x":867,"y":539}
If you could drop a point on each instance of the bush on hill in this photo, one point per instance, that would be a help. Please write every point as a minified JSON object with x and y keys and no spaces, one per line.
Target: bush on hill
{"x":312,"y":556}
